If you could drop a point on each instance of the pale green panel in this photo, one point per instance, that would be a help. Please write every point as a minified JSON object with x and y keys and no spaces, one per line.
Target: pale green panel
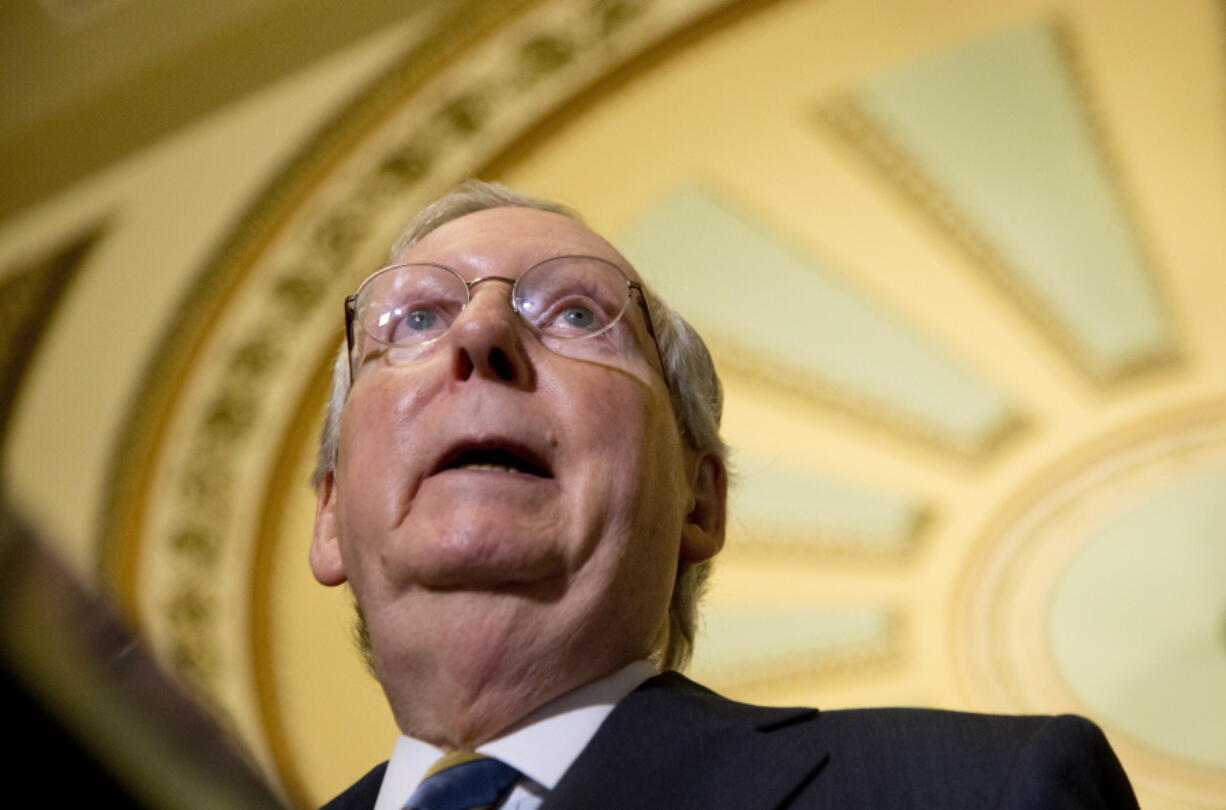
{"x":997,"y":123}
{"x":736,"y":641}
{"x":1138,"y":623}
{"x":776,"y":503}
{"x":734,"y":278}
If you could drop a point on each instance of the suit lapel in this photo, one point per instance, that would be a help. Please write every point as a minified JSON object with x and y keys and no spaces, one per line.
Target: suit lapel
{"x":674,"y":745}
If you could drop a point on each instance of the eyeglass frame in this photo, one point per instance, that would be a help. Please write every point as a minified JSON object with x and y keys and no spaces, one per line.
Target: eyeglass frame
{"x":351,"y":304}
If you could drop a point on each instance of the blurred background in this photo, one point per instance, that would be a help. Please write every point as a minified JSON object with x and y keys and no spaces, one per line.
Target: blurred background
{"x":960,"y":264}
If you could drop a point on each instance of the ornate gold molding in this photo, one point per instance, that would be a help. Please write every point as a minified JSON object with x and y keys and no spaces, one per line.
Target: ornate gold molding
{"x":875,"y":414}
{"x":870,"y":142}
{"x":761,"y":542}
{"x":1003,"y":595}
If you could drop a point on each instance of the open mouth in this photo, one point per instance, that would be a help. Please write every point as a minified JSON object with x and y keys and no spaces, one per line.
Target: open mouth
{"x":499,"y":458}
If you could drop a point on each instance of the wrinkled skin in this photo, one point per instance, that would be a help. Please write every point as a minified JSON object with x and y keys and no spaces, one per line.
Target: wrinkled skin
{"x":488,"y":592}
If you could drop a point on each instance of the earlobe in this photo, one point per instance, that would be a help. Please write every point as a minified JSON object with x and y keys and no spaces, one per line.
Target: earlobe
{"x":325,"y":555}
{"x":703,"y":533}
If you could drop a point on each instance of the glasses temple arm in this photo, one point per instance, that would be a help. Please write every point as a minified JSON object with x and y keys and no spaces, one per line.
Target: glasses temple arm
{"x":651,"y":330}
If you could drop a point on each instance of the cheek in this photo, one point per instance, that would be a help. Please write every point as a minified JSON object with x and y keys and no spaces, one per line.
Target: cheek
{"x":376,"y":452}
{"x":618,"y":431}
{"x":386,"y":409}
{"x":637,"y":468}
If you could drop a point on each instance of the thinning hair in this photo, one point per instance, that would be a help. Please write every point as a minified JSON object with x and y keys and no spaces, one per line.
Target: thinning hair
{"x":693,"y":386}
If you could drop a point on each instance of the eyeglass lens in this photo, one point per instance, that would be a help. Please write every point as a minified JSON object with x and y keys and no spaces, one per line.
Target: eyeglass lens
{"x":408,"y":307}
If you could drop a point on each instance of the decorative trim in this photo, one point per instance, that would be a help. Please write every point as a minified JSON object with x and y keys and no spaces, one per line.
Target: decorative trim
{"x":1165,"y":357}
{"x":763,"y":542}
{"x":875,"y":414}
{"x":281,"y":483}
{"x":870,"y":142}
{"x":1002,"y":653}
{"x":607,"y":83}
{"x":861,"y":659}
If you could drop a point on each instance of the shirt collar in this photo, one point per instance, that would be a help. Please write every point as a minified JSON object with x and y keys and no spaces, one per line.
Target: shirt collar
{"x":541,"y":746}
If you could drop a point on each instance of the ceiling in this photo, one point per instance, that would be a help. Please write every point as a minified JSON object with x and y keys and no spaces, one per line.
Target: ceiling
{"x":84,"y":83}
{"x":960,"y":269}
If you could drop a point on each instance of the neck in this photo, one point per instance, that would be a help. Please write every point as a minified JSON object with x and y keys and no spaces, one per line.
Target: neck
{"x":466,"y":679}
{"x":459,"y":667}
{"x":463,"y":707}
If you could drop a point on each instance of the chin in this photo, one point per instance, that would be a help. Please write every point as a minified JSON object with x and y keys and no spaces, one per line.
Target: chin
{"x":477,"y":552}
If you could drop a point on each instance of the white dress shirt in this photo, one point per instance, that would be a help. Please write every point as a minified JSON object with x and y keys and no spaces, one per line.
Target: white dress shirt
{"x":541,"y":746}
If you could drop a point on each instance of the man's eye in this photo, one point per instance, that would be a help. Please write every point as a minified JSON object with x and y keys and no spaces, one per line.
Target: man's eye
{"x":418,"y":324}
{"x":573,"y":319}
{"x":578,"y":317}
{"x":421,"y":320}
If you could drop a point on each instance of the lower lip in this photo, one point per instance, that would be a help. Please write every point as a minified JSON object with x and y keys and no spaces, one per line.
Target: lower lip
{"x":502,"y":472}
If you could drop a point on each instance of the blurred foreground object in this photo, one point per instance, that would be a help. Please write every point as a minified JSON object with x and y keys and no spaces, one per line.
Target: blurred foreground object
{"x":90,"y":703}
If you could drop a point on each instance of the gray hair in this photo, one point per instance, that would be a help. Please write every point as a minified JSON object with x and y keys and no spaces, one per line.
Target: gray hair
{"x":693,"y":387}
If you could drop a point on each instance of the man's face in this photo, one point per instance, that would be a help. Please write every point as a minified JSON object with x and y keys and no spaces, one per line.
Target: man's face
{"x":494,"y":499}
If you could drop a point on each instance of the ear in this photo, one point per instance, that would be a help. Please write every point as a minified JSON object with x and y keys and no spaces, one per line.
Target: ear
{"x":702,"y":536}
{"x":326,"y":562}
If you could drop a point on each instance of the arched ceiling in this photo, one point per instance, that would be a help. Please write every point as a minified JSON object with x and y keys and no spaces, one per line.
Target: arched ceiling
{"x":960,"y":269}
{"x":129,"y":72}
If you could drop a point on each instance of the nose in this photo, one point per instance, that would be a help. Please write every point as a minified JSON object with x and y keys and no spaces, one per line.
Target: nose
{"x":486,"y":338}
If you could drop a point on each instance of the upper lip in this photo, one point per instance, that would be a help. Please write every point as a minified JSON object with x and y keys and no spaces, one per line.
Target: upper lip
{"x":507,"y":451}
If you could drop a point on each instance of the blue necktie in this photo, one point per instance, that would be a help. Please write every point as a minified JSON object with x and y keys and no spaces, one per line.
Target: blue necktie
{"x":463,"y":780}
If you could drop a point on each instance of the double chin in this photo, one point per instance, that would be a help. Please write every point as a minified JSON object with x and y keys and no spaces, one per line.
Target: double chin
{"x":460,"y":666}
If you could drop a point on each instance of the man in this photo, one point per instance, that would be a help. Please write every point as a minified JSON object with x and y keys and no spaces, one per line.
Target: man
{"x":522,"y":480}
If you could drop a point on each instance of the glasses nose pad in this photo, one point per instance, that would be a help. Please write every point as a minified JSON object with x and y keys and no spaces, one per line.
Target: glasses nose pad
{"x":486,"y":337}
{"x":478,"y":303}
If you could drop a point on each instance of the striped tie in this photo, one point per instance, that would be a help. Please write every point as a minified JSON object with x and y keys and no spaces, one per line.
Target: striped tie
{"x":463,"y":780}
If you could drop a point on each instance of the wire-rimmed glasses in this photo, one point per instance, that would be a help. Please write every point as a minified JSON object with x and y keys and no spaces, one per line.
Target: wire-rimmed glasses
{"x":405,"y":309}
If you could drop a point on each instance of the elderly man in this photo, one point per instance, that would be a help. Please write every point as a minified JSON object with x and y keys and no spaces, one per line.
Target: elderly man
{"x":521,"y":478}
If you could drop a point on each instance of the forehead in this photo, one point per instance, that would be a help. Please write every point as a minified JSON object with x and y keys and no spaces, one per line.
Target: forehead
{"x":507,"y":241}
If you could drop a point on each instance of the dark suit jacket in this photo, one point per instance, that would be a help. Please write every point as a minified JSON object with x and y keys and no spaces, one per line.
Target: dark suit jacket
{"x":674,"y":745}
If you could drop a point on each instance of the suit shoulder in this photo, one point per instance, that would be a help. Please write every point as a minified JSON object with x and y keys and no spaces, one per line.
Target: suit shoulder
{"x":905,"y":721}
{"x":1007,"y":761}
{"x":361,"y":794}
{"x":948,"y":731}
